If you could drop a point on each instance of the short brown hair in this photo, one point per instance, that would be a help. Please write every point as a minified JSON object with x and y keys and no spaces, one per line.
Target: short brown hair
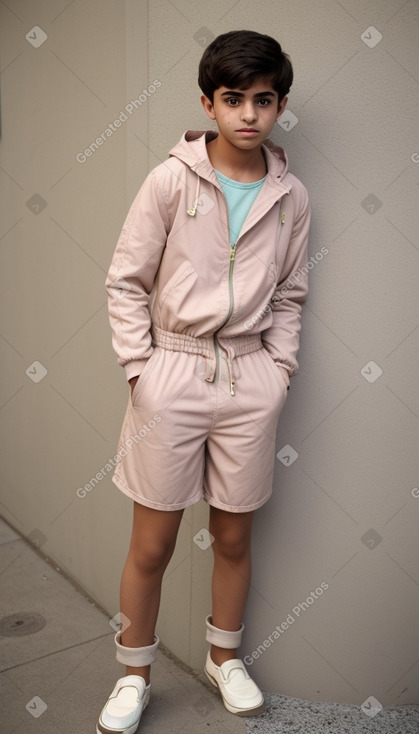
{"x":236,"y":59}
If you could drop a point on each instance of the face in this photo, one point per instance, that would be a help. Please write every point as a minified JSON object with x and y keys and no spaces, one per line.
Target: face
{"x":245,"y":117}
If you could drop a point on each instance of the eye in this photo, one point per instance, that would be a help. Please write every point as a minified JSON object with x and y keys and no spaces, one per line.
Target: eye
{"x":231,"y":100}
{"x":264,"y":102}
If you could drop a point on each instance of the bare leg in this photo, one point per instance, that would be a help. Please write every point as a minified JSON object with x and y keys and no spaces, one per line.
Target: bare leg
{"x":232,"y":572}
{"x":152,"y":544}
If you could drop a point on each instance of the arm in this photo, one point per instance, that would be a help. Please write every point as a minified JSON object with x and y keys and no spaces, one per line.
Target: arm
{"x":282,"y":338}
{"x":131,"y":277}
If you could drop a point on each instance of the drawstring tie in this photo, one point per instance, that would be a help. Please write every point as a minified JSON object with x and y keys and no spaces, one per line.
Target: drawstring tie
{"x":192,"y":211}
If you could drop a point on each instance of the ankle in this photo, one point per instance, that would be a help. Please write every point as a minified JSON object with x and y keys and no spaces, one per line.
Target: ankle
{"x":144,"y":672}
{"x":220,"y":655}
{"x":224,"y":643}
{"x":137,"y":659}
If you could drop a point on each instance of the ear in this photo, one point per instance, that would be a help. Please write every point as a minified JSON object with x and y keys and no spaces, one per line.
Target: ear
{"x":208,"y":107}
{"x":281,"y":107}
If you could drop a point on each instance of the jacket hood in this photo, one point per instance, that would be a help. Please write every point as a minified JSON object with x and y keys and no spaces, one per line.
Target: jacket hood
{"x":192,"y":150}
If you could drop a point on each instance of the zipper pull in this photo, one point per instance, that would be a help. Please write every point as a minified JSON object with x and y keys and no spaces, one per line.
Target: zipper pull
{"x":232,"y":387}
{"x":232,"y":253}
{"x":283,"y":217}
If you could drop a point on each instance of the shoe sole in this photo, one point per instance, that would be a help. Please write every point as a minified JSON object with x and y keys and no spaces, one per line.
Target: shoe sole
{"x":233,"y":710}
{"x":102,"y":729}
{"x":131,"y":730}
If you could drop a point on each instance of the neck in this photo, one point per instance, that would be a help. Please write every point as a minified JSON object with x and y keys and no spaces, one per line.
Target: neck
{"x":242,"y":165}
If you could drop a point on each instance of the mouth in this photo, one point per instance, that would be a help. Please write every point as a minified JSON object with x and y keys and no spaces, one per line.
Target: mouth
{"x":247,"y":130}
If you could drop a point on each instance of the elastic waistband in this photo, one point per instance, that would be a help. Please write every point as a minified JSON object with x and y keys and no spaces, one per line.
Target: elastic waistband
{"x":235,"y":346}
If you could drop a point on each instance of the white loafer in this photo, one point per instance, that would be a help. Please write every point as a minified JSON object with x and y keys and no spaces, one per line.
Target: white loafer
{"x":240,"y":693}
{"x":124,"y":707}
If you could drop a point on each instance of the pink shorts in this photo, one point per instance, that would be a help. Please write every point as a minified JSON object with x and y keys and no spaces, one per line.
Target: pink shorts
{"x":184,"y":438}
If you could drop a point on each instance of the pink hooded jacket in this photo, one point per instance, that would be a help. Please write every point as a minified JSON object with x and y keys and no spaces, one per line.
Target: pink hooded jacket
{"x":173,"y":265}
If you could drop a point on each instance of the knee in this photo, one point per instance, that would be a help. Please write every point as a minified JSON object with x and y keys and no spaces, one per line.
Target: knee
{"x":151,"y":556}
{"x":231,"y":546}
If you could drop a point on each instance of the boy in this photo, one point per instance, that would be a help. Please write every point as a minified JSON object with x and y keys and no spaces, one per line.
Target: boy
{"x":207,"y":332}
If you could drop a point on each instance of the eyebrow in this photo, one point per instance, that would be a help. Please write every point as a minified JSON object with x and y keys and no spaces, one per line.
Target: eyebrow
{"x":240,"y":94}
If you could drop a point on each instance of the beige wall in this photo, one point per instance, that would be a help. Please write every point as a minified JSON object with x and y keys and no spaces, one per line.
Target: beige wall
{"x":345,"y":511}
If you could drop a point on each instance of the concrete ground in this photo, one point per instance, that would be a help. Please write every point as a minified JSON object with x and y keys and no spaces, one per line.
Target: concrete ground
{"x":57,"y":668}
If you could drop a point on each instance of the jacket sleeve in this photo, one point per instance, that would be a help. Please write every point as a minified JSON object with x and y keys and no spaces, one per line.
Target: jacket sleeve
{"x":132,"y":273}
{"x":281,"y":339}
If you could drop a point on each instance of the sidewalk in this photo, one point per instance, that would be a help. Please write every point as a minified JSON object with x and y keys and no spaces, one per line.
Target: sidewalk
{"x":57,"y":679}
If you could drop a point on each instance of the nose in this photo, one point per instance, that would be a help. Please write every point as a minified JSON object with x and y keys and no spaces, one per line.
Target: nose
{"x":248,"y":112}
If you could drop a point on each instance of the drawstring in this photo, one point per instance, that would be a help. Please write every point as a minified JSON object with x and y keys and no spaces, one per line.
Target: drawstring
{"x":192,"y":211}
{"x":231,"y":374}
{"x":230,"y":354}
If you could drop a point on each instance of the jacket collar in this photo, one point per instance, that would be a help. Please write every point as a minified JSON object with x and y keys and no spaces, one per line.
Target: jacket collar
{"x":192,"y":150}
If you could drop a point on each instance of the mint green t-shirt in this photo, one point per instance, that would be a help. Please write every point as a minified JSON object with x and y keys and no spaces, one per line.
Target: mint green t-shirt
{"x":240,"y":197}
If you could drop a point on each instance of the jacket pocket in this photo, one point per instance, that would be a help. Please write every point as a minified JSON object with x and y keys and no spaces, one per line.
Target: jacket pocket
{"x":182,"y":272}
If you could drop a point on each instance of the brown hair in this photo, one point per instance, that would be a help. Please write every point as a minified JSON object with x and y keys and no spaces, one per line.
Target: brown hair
{"x":236,"y":59}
